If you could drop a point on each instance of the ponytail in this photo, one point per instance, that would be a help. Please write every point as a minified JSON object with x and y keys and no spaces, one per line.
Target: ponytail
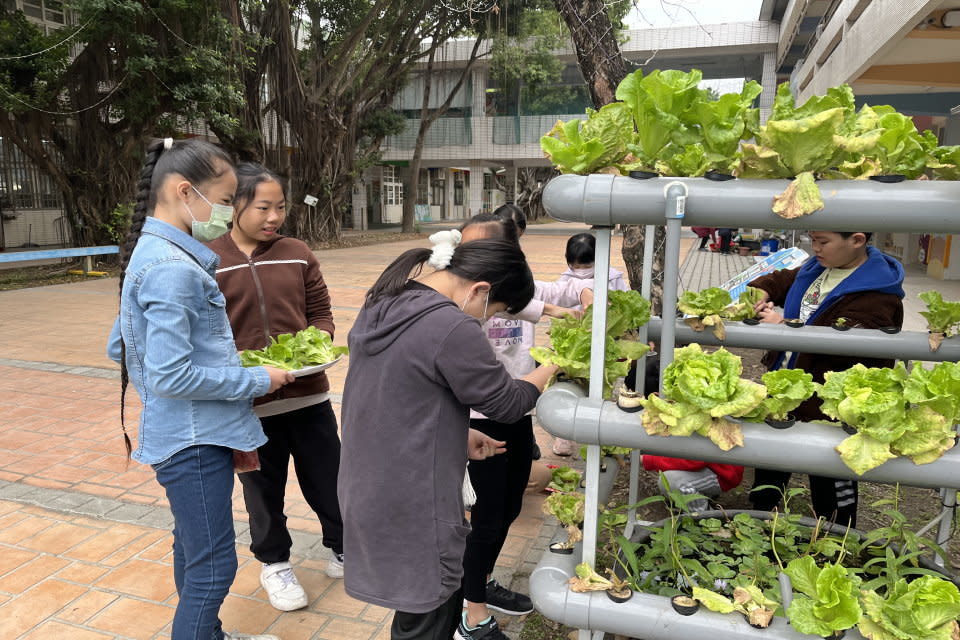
{"x":394,"y":278}
{"x":137,"y":220}
{"x":197,"y":161}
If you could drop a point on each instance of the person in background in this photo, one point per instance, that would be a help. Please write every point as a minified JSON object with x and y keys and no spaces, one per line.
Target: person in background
{"x":580,"y":255}
{"x":419,"y":361}
{"x":273,"y":286}
{"x":726,"y":237}
{"x":706,"y":234}
{"x":173,"y":342}
{"x":848,"y":279}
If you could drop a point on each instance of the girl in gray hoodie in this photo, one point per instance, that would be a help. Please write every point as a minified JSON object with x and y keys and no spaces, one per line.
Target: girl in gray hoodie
{"x":419,"y":362}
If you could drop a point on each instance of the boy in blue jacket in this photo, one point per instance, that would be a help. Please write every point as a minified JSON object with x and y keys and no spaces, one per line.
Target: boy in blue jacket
{"x":846,"y":279}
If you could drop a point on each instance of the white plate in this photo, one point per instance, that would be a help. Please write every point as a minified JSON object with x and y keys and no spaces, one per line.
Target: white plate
{"x":316,"y":368}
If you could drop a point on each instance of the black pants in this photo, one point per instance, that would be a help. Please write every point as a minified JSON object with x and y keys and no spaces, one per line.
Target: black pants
{"x":703,"y":241}
{"x":499,"y":483}
{"x":725,"y":239}
{"x":310,"y":436}
{"x":832,"y":498}
{"x":439,"y":624}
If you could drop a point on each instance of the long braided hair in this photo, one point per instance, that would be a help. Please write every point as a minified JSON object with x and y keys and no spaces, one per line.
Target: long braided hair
{"x":195,"y":160}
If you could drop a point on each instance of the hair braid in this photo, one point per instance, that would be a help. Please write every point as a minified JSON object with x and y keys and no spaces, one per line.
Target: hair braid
{"x":140,"y":210}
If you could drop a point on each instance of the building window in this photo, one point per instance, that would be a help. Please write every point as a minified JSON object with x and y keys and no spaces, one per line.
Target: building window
{"x":22,"y":185}
{"x":392,"y":187}
{"x":458,"y":189}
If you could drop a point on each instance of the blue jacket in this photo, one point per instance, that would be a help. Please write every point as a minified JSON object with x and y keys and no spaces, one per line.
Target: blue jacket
{"x":871,"y":297}
{"x":180,"y":352}
{"x":880,"y":274}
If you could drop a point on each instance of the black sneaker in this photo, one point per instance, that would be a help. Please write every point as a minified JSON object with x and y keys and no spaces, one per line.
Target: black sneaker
{"x":501,"y":599}
{"x":486,"y":631}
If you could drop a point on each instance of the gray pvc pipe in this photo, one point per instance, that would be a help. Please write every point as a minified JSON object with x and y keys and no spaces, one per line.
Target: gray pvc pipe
{"x":806,"y":447}
{"x":869,"y":343}
{"x":644,"y":616}
{"x":606,"y":200}
{"x":676,"y":197}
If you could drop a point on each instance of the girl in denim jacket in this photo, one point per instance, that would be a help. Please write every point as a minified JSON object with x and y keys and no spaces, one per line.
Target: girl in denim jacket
{"x":173,"y":342}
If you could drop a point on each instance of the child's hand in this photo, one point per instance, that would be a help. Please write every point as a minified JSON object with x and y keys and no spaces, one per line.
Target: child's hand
{"x":586,"y":297}
{"x":768,"y":315}
{"x":481,"y":446}
{"x":278,"y":378}
{"x":764,"y":303}
{"x":554,"y":311}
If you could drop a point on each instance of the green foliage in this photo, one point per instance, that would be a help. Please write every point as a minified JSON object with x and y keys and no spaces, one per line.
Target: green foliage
{"x":307,"y":347}
{"x":873,"y":400}
{"x":700,"y":391}
{"x":117,"y":223}
{"x":744,"y":307}
{"x":942,"y":316}
{"x":564,"y":479}
{"x":570,"y":339}
{"x":925,"y":609}
{"x":711,"y":301}
{"x":786,"y":390}
{"x":565,"y":507}
{"x":828,"y":600}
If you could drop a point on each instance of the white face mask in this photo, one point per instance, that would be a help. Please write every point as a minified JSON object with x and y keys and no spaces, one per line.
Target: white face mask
{"x":583,"y":274}
{"x":486,"y":301}
{"x":221,"y":215}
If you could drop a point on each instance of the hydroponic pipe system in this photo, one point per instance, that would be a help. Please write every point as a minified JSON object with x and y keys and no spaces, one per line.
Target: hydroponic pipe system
{"x":586,"y":420}
{"x":867,"y":343}
{"x":604,"y":201}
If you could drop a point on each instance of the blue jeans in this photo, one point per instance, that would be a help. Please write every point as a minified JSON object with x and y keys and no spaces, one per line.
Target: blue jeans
{"x":199,"y":485}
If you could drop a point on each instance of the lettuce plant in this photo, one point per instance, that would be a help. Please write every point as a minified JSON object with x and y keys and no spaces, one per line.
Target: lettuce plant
{"x":564,"y":479}
{"x":571,"y":338}
{"x":705,"y":307}
{"x":874,"y":401}
{"x":748,"y":600}
{"x":743,"y":309}
{"x":943,"y":318}
{"x":289,"y":351}
{"x":827,"y":601}
{"x":786,"y":390}
{"x":700,"y":390}
{"x":796,"y":143}
{"x":591,"y":145}
{"x":944,"y":162}
{"x":925,"y":609}
{"x":883,"y":141}
{"x":660,"y":103}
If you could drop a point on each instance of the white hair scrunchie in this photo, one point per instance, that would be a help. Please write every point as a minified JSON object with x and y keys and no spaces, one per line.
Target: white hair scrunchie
{"x":444,"y":243}
{"x":167,"y":144}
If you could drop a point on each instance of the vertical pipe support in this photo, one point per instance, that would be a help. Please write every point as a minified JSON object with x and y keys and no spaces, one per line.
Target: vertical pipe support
{"x":649,"y":235}
{"x":601,"y":272}
{"x":675,"y":208}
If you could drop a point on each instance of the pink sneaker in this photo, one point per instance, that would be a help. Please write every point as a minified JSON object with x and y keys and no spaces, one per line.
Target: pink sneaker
{"x":562,"y":447}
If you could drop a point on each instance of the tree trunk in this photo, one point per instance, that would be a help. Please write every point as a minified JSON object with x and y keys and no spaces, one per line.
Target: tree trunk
{"x":603,"y":67}
{"x":427,"y":118}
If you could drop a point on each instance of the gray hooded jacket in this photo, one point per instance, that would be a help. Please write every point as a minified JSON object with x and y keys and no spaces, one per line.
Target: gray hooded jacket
{"x":417,"y":366}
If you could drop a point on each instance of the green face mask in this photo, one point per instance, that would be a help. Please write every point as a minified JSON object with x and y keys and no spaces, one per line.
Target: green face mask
{"x":221,"y":216}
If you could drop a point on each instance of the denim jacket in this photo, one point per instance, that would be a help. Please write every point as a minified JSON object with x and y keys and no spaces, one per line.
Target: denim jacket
{"x":180,"y":352}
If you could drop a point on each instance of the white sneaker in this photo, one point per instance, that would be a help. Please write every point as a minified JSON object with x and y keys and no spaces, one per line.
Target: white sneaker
{"x":282,"y":588}
{"x":335,"y":565}
{"x":247,"y":636}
